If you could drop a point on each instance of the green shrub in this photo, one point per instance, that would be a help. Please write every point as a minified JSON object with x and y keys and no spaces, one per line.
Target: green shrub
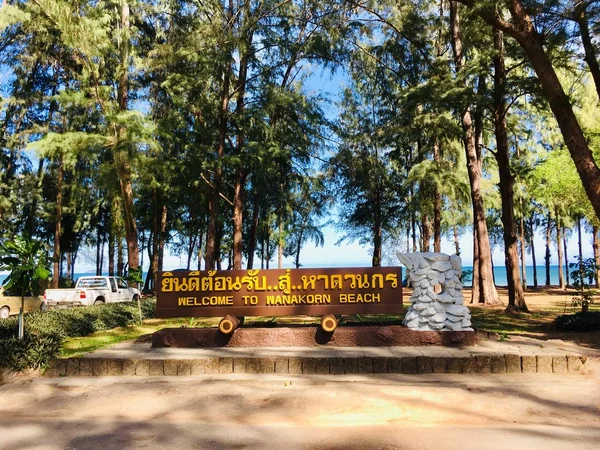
{"x":32,"y":352}
{"x":589,"y":321}
{"x":45,"y":330}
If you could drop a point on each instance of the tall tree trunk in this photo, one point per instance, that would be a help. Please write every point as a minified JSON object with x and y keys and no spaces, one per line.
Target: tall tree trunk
{"x":238,"y":215}
{"x":111,"y":254}
{"x":559,"y":237}
{"x":253,"y":231}
{"x":566,"y":256}
{"x":413,"y":225}
{"x":547,"y":257}
{"x":476,"y":288}
{"x":190,"y":252}
{"x":58,"y":229}
{"x":30,"y":224}
{"x":487,"y":290}
{"x":122,"y":159}
{"x":533,"y":258}
{"x":149,"y":284}
{"x":522,"y":29}
{"x":162,"y":236}
{"x":102,"y":252}
{"x":200,"y":250}
{"x":213,"y":251}
{"x":425,"y":233}
{"x":298,"y":248}
{"x":153,"y":255}
{"x":98,"y":246}
{"x":68,"y":272}
{"x":581,"y":17}
{"x":120,"y":259}
{"x":596,"y":246}
{"x":218,"y":245}
{"x":280,"y":244}
{"x":240,"y":176}
{"x":456,"y":239}
{"x":437,"y":205}
{"x":516,"y":299}
{"x":376,"y":260}
{"x":579,"y":240}
{"x":523,"y":252}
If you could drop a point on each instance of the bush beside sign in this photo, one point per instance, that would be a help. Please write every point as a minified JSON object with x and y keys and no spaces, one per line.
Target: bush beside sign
{"x":279,"y":292}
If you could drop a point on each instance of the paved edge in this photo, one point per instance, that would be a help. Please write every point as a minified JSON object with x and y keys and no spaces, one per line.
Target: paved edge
{"x":337,"y":365}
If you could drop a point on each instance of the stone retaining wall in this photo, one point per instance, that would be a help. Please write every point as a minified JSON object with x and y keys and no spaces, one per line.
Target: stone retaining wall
{"x":509,"y":363}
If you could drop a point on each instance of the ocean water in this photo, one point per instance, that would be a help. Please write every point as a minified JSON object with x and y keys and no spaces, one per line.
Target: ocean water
{"x":501,"y":280}
{"x":499,"y":275}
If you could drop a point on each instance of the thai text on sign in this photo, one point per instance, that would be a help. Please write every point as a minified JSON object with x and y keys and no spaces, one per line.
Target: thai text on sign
{"x":279,"y":292}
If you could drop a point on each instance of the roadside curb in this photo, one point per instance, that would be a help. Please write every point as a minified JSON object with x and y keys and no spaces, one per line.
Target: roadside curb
{"x":90,"y":366}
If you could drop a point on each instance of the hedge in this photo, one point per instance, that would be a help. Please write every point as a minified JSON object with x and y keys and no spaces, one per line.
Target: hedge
{"x":45,"y":331}
{"x":588,"y":321}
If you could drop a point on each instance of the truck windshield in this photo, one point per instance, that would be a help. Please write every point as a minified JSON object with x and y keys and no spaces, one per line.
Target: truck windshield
{"x":92,"y":283}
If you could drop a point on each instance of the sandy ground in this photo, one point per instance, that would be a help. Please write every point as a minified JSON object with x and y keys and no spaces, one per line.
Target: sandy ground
{"x":508,"y":411}
{"x":260,"y":411}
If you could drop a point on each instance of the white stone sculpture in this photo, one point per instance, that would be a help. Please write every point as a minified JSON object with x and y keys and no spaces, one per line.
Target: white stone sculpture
{"x":431,"y":310}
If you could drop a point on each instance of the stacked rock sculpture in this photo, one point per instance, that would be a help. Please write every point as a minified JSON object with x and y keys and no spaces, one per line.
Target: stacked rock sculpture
{"x":431,"y":310}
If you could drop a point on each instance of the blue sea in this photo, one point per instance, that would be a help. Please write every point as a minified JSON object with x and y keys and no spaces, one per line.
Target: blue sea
{"x":499,"y":275}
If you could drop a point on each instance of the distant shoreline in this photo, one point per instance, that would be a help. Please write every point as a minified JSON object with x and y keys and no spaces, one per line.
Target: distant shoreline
{"x":499,"y":275}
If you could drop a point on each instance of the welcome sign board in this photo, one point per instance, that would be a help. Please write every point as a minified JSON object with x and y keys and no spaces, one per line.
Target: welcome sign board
{"x":279,"y":292}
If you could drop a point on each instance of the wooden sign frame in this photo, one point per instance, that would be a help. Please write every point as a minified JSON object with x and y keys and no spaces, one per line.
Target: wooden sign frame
{"x":279,"y":292}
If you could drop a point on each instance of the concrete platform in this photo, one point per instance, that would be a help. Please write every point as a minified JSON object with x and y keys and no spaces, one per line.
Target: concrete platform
{"x":519,"y":355}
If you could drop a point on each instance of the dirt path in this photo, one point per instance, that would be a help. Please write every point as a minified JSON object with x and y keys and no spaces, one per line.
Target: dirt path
{"x":64,"y":411}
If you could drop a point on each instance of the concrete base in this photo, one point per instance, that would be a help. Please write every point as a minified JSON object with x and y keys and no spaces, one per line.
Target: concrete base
{"x":345,"y":336}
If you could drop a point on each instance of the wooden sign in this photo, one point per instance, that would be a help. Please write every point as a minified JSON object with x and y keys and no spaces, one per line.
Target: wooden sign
{"x":279,"y":292}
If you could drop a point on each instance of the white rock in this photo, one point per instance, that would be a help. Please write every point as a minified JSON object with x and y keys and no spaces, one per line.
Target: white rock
{"x":428,"y":312}
{"x":453,"y":319}
{"x":445,"y":298}
{"x":456,"y":263}
{"x":436,"y":326}
{"x":457,"y":310}
{"x":412,"y":324}
{"x":438,"y":307}
{"x":425,"y":298}
{"x":420,"y":272}
{"x":419,"y":306}
{"x":431,"y":256}
{"x":441,"y":266}
{"x":431,"y":310}
{"x":438,"y":318}
{"x":411,"y":315}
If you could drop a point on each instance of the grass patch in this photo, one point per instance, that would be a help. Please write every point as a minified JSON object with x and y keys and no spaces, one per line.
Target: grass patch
{"x":78,"y":346}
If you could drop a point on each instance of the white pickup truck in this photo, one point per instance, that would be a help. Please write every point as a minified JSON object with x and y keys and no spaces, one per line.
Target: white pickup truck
{"x":91,"y":291}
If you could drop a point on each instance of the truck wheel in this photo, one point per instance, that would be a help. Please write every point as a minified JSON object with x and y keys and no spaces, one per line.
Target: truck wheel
{"x":99,"y":302}
{"x":4,"y":312}
{"x":135,"y":298}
